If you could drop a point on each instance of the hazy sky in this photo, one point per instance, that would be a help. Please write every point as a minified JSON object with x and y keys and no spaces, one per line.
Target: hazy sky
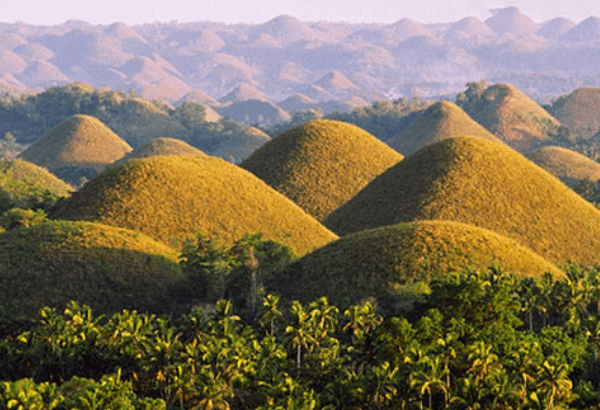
{"x":48,"y":12}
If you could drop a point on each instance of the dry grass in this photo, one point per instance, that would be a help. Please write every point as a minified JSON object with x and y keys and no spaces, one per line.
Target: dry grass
{"x":28,"y":186}
{"x":370,"y":264}
{"x":108,"y":268}
{"x":79,"y":140}
{"x":579,"y":111}
{"x":161,"y":146}
{"x":321,"y":164}
{"x":481,"y":183}
{"x":513,"y":117}
{"x":441,"y":120}
{"x":569,"y":166}
{"x":173,"y":198}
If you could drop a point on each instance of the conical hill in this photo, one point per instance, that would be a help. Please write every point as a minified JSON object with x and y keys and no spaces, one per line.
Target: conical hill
{"x":26,"y":185}
{"x":441,"y":120}
{"x":108,"y":268}
{"x":78,"y":142}
{"x":376,"y":263}
{"x":321,"y":164}
{"x":481,"y":183}
{"x":173,"y":198}
{"x":579,"y":111}
{"x":161,"y":146}
{"x":569,"y":166}
{"x":513,"y":117}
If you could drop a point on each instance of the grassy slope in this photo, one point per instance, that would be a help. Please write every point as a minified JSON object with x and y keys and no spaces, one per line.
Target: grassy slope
{"x":172,"y":198}
{"x":513,"y":117}
{"x":482,"y":183}
{"x":569,"y":166}
{"x":161,"y":146}
{"x":79,"y":140}
{"x":105,"y":267}
{"x":321,"y":164}
{"x":371,"y":263}
{"x":579,"y":111}
{"x":441,"y":120}
{"x":27,"y":185}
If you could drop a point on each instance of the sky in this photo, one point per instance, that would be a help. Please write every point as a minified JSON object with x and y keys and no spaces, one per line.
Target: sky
{"x":133,"y":12}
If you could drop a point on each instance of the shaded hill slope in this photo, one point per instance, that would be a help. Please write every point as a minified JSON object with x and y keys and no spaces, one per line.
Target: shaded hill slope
{"x":569,"y":166}
{"x":321,"y":164}
{"x":481,"y":183}
{"x":374,"y":263}
{"x":441,"y":120}
{"x":107,"y":268}
{"x":579,"y":111}
{"x":173,"y":198}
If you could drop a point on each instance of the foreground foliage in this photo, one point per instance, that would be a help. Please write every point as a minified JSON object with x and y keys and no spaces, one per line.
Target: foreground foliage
{"x":481,"y":340}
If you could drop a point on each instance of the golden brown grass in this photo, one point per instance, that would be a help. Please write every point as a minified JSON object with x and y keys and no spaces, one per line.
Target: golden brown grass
{"x":321,"y":164}
{"x":173,"y":198}
{"x":481,"y":183}
{"x":79,"y":140}
{"x":372,"y":263}
{"x":579,"y":111}
{"x":569,"y":166}
{"x":108,"y":268}
{"x":26,"y":185}
{"x":161,"y":146}
{"x":441,"y":120}
{"x":513,"y":117}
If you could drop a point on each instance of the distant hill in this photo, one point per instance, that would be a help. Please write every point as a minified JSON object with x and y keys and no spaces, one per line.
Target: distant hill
{"x":242,"y":92}
{"x":512,"y":116}
{"x":321,"y":164}
{"x":81,"y":142}
{"x":441,"y":120}
{"x":173,"y":198}
{"x":579,"y":111}
{"x":555,"y":28}
{"x":336,"y":83}
{"x":587,"y":30}
{"x":26,"y":185}
{"x":198,"y":97}
{"x":161,"y":146}
{"x":569,"y":166}
{"x":107,"y":268}
{"x":481,"y":183}
{"x":255,"y":112}
{"x":511,"y":20}
{"x":375,"y":264}
{"x":297,"y":102}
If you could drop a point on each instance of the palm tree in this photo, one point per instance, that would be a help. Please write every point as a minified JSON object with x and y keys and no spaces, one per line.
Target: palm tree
{"x":271,"y":313}
{"x":300,"y":334}
{"x":428,"y":377}
{"x":554,"y":382}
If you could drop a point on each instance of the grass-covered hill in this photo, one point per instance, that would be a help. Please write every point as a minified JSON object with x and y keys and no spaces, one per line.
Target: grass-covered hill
{"x":569,"y":166}
{"x":321,"y":164}
{"x":80,"y":145}
{"x":26,"y":185}
{"x":579,"y":111}
{"x":173,"y":198}
{"x":108,"y":268}
{"x":482,"y":183}
{"x":376,"y":263}
{"x":441,"y":120}
{"x":161,"y":146}
{"x":511,"y":116}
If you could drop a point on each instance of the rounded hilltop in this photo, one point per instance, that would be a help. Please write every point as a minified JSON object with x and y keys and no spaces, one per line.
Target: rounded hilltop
{"x":321,"y":164}
{"x":442,"y":119}
{"x":108,"y":268}
{"x":161,"y":146}
{"x":481,"y":183}
{"x":377,"y":263}
{"x":173,"y":198}
{"x":567,"y":165}
{"x":80,"y":145}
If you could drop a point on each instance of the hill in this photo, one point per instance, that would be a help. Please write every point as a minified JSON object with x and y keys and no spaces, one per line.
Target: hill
{"x":481,"y":183}
{"x":579,"y":111}
{"x":512,"y":116}
{"x":107,"y":268}
{"x":570,"y":167}
{"x":255,"y":111}
{"x":511,"y":20}
{"x":173,"y":198}
{"x":161,"y":146}
{"x":321,"y":164}
{"x":441,"y":120}
{"x":79,"y":146}
{"x":377,"y":263}
{"x":242,"y":92}
{"x":587,"y":30}
{"x":555,"y":28}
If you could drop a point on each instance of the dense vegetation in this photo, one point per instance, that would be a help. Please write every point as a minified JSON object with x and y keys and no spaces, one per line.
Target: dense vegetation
{"x":481,"y":340}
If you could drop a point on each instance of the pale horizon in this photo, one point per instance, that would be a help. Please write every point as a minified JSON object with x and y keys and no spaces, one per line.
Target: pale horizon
{"x":104,"y":12}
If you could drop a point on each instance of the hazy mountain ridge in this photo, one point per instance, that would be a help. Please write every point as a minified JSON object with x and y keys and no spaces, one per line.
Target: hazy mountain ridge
{"x":286,"y":56}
